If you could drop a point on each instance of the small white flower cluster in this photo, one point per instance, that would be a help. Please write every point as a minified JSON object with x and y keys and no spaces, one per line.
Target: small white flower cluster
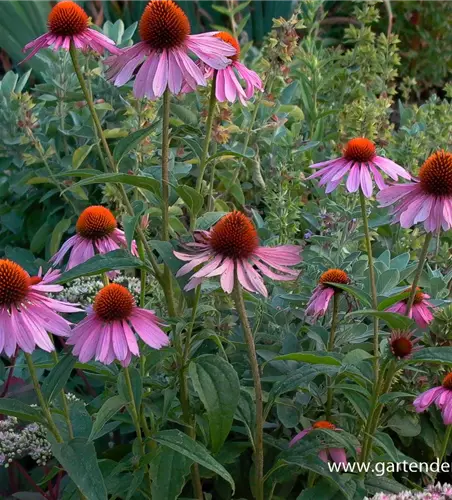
{"x":17,"y":442}
{"x":72,"y":398}
{"x":83,"y":290}
{"x":433,"y":492}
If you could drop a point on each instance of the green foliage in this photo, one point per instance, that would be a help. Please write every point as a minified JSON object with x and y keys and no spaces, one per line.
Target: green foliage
{"x":191,"y":407}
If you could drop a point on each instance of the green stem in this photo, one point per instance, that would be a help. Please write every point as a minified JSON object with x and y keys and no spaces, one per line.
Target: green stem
{"x":165,"y":164}
{"x":92,"y":109}
{"x":66,"y":413}
{"x":330,"y":348}
{"x":209,"y":121}
{"x":373,"y":284}
{"x":445,"y":443}
{"x":259,"y":432}
{"x":42,"y":402}
{"x":190,"y":428}
{"x":167,"y":279}
{"x":417,"y":276}
{"x":165,"y":284}
{"x":133,"y":409}
{"x":368,"y":438}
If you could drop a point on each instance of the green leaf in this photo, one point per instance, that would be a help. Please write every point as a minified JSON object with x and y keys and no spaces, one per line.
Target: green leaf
{"x":137,"y":386}
{"x":435,"y":355}
{"x":130,"y":142}
{"x":101,"y":263}
{"x":184,"y":114}
{"x":356,"y":292}
{"x":218,"y":387}
{"x":141,"y":181}
{"x":394,"y":320}
{"x":22,"y":411}
{"x":389,"y":301}
{"x":57,"y":234}
{"x":80,"y":154}
{"x":106,"y":412}
{"x":388,"y":280}
{"x":386,"y":398}
{"x":192,"y":199}
{"x":169,"y":470}
{"x":130,"y":222}
{"x":58,"y":376}
{"x":209,"y":219}
{"x":166,"y":252}
{"x":79,"y":460}
{"x":227,"y":154}
{"x":185,"y":445}
{"x":313,"y":358}
{"x":314,"y":464}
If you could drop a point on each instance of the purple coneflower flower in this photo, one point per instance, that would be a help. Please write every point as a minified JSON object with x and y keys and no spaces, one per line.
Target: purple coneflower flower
{"x":358,"y":162}
{"x":402,"y":344}
{"x":324,"y":291}
{"x":441,"y":396}
{"x":69,"y":23}
{"x":420,"y":311}
{"x":26,"y":312}
{"x":232,"y":246}
{"x":337,"y":455}
{"x":428,"y":199}
{"x":163,"y":53}
{"x":107,"y":332}
{"x":97,"y":232}
{"x":228,"y":86}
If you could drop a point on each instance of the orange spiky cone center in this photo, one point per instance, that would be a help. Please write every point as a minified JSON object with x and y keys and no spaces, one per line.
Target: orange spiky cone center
{"x":447,"y":381}
{"x":226,"y":37}
{"x":14,"y":283}
{"x":164,"y":25}
{"x":114,"y":302}
{"x":435,"y":174}
{"x":67,"y":18}
{"x":360,"y":150}
{"x":96,"y":222}
{"x":324,"y":424}
{"x":234,"y":236}
{"x":334,"y":276}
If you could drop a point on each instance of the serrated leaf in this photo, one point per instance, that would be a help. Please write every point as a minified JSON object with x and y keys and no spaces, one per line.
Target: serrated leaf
{"x":141,"y":181}
{"x":192,"y":199}
{"x":58,"y":376}
{"x":106,"y":412}
{"x":80,"y":154}
{"x":130,"y":142}
{"x":79,"y":460}
{"x":102,"y":263}
{"x":169,"y":470}
{"x":218,"y":387}
{"x":22,"y":411}
{"x":394,"y":320}
{"x":185,"y":445}
{"x":314,"y":358}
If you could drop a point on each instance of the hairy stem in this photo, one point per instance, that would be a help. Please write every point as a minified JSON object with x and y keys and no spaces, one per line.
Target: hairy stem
{"x":259,"y":432}
{"x":42,"y":402}
{"x":207,"y":139}
{"x":184,"y":397}
{"x":330,"y":348}
{"x":417,"y":276}
{"x":368,"y":438}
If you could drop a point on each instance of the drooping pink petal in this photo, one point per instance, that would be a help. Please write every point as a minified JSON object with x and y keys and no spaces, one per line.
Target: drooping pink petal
{"x":338,"y":455}
{"x":227,"y":278}
{"x":366,"y":181}
{"x":299,"y":436}
{"x":424,"y":400}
